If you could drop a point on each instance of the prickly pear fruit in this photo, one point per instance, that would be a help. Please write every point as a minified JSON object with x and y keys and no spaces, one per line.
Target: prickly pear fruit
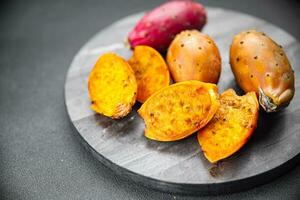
{"x":112,"y":86}
{"x":194,"y":56}
{"x":259,"y":64}
{"x":151,"y":71}
{"x":231,"y":126}
{"x":158,"y":27}
{"x":179,"y":110}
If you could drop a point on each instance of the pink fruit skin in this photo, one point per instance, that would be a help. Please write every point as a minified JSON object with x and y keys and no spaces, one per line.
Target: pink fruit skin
{"x":158,"y":27}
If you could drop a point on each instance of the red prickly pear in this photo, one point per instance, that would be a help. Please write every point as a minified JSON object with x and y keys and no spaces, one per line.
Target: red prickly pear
{"x":158,"y":27}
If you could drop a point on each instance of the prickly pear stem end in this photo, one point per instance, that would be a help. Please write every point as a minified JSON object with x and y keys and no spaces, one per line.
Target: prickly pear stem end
{"x":266,"y":102}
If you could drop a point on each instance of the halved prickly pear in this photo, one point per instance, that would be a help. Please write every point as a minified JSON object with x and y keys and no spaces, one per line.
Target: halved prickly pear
{"x":231,"y":126}
{"x":158,"y":27}
{"x":259,"y":64}
{"x":179,"y":110}
{"x":151,"y":71}
{"x":112,"y":86}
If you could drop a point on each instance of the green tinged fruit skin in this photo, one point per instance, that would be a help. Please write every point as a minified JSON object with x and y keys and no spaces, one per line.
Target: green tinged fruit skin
{"x":259,"y":64}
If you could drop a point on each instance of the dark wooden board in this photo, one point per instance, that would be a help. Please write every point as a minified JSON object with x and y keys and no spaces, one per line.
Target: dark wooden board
{"x":180,"y":166}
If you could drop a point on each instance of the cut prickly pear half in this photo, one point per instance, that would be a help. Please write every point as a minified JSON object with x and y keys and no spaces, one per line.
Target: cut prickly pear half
{"x":177,"y":111}
{"x":151,"y":71}
{"x":231,"y":126}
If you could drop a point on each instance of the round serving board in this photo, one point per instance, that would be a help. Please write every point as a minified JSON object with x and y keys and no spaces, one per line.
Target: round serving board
{"x":180,"y":166}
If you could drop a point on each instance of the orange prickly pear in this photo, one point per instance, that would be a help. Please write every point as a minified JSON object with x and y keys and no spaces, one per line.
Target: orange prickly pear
{"x":177,"y":111}
{"x":151,"y":71}
{"x":112,"y":86}
{"x":194,"y":56}
{"x":259,"y":64}
{"x":231,"y":127}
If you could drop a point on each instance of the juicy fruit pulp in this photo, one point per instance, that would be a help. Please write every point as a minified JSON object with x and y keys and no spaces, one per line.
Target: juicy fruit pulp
{"x":150,"y":70}
{"x":112,"y":86}
{"x":231,"y":126}
{"x":179,"y":110}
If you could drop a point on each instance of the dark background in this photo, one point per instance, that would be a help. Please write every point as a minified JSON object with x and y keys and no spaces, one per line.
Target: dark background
{"x":40,"y":154}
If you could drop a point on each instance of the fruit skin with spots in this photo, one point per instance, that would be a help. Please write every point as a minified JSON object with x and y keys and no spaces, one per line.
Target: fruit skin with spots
{"x":112,"y":86}
{"x":193,"y":55}
{"x":177,"y":111}
{"x":151,"y":71}
{"x":158,"y":27}
{"x":259,"y":64}
{"x":231,"y":127}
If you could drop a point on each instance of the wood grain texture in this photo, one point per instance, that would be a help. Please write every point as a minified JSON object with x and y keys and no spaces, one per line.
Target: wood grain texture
{"x":180,"y":166}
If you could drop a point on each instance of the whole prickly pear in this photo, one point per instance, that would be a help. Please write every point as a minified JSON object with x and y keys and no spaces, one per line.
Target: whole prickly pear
{"x":194,"y":56}
{"x":158,"y":27}
{"x":259,"y":64}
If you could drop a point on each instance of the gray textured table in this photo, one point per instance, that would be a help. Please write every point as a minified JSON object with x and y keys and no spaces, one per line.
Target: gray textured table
{"x":41,"y":157}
